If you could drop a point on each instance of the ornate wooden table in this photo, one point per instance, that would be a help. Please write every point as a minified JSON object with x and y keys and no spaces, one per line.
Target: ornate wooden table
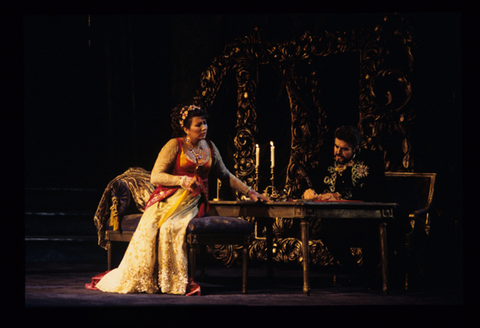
{"x":304,"y":210}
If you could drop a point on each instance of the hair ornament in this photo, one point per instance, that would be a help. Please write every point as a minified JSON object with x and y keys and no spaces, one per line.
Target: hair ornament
{"x":185,"y":111}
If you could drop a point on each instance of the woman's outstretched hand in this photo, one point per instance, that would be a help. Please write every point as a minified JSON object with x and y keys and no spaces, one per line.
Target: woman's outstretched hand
{"x":255,"y":196}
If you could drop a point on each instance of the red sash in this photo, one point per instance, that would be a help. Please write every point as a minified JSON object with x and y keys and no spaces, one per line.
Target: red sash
{"x":160,"y":193}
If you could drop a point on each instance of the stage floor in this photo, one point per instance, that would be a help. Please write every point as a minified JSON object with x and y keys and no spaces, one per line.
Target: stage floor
{"x":63,"y":285}
{"x":55,"y":293}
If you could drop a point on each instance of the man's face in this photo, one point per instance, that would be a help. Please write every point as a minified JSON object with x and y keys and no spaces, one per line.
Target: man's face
{"x":343,"y":152}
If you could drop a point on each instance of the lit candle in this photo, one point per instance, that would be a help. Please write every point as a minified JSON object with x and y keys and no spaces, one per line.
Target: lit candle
{"x":272,"y":154}
{"x":257,"y":156}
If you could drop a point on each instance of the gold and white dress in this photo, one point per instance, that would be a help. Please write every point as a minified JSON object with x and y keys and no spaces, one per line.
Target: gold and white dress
{"x":156,"y":257}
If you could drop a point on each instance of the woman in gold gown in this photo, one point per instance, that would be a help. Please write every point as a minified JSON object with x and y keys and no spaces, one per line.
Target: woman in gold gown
{"x":156,"y":257}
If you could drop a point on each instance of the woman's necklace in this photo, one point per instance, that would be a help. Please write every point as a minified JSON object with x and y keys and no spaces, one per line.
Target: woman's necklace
{"x":197,"y":157}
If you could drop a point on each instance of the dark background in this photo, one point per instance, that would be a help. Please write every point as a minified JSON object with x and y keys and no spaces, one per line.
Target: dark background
{"x":98,"y":89}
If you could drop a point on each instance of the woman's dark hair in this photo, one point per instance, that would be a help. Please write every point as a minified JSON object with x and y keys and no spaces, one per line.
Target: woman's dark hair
{"x":176,"y":116}
{"x":349,"y":134}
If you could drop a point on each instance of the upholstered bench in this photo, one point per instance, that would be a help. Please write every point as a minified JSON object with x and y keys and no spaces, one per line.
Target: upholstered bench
{"x":208,"y":230}
{"x":211,"y":230}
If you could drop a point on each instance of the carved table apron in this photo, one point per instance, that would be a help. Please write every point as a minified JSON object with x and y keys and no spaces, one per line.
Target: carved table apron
{"x":304,"y":210}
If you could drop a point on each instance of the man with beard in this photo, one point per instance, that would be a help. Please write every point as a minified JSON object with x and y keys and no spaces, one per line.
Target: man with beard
{"x":356,"y":174}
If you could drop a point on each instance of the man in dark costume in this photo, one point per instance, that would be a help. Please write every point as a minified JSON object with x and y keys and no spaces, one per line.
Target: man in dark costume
{"x":356,"y":175}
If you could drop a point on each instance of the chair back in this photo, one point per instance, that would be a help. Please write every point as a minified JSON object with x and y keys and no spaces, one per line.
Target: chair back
{"x":412,"y":191}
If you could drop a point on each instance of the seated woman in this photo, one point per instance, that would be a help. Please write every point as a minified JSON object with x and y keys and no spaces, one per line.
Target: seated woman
{"x":156,"y":258}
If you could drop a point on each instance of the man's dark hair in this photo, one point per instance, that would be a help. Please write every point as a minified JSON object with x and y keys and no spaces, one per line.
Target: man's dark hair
{"x":349,"y":134}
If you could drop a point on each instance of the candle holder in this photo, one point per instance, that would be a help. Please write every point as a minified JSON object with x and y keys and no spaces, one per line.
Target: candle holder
{"x":271,"y":191}
{"x":272,"y":178}
{"x":219,"y":184}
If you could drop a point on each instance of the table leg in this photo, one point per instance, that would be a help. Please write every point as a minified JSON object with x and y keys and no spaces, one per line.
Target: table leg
{"x":383,"y":254}
{"x":269,"y":228}
{"x":306,"y":258}
{"x":245,"y":267}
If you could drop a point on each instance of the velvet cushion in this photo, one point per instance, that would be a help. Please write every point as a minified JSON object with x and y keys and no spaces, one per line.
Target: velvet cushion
{"x":219,"y":225}
{"x":203,"y":225}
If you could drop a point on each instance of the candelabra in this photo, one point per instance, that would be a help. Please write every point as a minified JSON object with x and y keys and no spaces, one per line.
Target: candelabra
{"x":271,"y":191}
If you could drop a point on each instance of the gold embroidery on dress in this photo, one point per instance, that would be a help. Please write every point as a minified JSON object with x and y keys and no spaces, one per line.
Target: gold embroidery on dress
{"x":152,"y":250}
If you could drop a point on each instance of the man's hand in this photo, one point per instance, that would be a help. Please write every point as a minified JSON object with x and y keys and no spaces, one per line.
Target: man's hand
{"x":310,"y":194}
{"x":330,"y":196}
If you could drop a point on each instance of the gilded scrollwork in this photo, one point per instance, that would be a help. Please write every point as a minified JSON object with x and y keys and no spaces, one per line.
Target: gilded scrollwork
{"x":243,"y":157}
{"x":385,"y":63}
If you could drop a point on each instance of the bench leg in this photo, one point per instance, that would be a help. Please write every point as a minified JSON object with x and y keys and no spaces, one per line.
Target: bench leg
{"x":245,"y":268}
{"x":109,"y":255}
{"x":191,"y":260}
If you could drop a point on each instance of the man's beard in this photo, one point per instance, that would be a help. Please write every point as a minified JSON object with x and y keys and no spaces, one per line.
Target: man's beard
{"x":341,"y":160}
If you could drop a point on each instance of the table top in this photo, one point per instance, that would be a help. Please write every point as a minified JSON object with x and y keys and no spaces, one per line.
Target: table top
{"x":303,"y":208}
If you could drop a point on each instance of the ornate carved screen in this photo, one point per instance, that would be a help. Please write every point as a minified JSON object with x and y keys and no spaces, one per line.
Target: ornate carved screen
{"x":371,"y":65}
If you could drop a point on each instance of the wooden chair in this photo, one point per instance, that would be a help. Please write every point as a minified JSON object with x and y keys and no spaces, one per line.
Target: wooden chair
{"x":208,"y":230}
{"x":414,"y":194}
